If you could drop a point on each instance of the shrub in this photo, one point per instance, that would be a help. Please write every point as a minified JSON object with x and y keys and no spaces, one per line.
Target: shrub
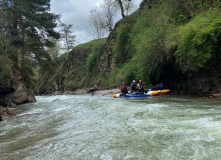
{"x":94,"y":56}
{"x":120,"y":48}
{"x":198,"y":40}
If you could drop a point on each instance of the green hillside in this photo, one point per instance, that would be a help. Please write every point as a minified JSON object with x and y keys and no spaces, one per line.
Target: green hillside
{"x":174,"y":42}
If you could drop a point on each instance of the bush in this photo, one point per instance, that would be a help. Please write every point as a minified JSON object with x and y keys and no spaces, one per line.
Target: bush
{"x":120,"y":48}
{"x":199,"y":40}
{"x":152,"y":38}
{"x":72,"y":85}
{"x":94,"y":56}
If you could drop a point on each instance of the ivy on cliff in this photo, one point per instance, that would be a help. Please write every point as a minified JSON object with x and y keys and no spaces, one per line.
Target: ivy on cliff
{"x":97,"y":49}
{"x":200,"y":39}
{"x":120,"y":49}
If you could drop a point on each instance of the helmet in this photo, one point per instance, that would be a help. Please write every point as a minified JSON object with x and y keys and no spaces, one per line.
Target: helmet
{"x":134,"y":81}
{"x":161,"y":84}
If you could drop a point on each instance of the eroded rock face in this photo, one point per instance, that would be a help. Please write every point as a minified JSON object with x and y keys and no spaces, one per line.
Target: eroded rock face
{"x":205,"y":82}
{"x":21,"y":95}
{"x":16,"y":93}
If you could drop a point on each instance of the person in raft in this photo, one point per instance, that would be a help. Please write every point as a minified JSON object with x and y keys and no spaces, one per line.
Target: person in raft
{"x":158,"y":87}
{"x":133,"y":87}
{"x":123,"y":89}
{"x":140,"y":87}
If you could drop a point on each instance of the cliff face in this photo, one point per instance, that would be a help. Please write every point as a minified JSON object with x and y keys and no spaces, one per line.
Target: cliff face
{"x":70,"y":72}
{"x":14,"y":90}
{"x":204,"y":82}
{"x":143,"y":46}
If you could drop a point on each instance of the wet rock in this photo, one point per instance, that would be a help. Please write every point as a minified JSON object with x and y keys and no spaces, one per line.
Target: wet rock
{"x":21,"y":95}
{"x":93,"y":89}
{"x":106,"y":92}
{"x":217,"y":95}
{"x":57,"y":93}
{"x":16,"y":91}
{"x":80,"y":91}
{"x":6,"y":111}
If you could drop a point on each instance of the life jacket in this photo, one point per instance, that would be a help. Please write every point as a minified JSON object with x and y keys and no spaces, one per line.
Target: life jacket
{"x":140,"y":86}
{"x":133,"y":86}
{"x":157,"y":86}
{"x":123,"y":88}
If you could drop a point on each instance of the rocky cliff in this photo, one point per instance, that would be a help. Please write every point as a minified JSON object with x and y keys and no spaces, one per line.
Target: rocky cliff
{"x":13,"y":91}
{"x":146,"y":45}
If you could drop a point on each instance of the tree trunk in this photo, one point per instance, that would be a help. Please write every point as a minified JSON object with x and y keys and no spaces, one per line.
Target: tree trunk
{"x":121,"y":8}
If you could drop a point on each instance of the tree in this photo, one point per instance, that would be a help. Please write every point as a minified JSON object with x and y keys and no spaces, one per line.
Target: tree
{"x":66,"y":35}
{"x":129,"y":6}
{"x":102,"y":19}
{"x":96,"y":19}
{"x":109,"y":12}
{"x":124,"y":5}
{"x":26,"y":26}
{"x":120,"y":3}
{"x":54,"y":51}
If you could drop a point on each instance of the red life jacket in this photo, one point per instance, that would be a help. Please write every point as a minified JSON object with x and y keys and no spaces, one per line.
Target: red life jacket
{"x":123,"y":88}
{"x":157,"y":86}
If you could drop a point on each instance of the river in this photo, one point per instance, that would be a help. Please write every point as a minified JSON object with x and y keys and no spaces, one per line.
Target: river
{"x":86,"y":127}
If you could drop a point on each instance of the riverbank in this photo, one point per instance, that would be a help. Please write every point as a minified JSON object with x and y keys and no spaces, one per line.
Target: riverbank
{"x":93,"y":91}
{"x":99,"y":92}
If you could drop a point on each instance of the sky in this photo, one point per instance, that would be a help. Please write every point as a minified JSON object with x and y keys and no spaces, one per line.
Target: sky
{"x":77,"y":12}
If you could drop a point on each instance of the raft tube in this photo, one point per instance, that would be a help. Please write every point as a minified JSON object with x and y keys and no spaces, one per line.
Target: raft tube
{"x":146,"y":94}
{"x":165,"y":91}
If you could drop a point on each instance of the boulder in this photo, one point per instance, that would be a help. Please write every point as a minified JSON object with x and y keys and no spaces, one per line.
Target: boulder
{"x":107,"y":92}
{"x":6,"y":111}
{"x":15,"y":92}
{"x":21,"y":95}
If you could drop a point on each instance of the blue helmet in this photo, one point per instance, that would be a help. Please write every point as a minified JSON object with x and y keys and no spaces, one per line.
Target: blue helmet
{"x":161,"y":84}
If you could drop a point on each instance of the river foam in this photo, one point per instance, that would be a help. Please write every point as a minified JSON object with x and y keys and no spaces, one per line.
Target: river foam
{"x":92,"y":127}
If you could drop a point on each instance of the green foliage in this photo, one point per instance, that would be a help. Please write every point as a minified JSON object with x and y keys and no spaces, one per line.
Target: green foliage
{"x":63,"y":57}
{"x":179,"y":17}
{"x":72,"y":85}
{"x":5,"y":73}
{"x":199,"y":40}
{"x":44,"y":79}
{"x":94,"y":56}
{"x":66,"y":35}
{"x":122,"y":41}
{"x":151,"y":37}
{"x":27,"y":71}
{"x":34,"y":81}
{"x":25,"y":31}
{"x":91,"y":43}
{"x":133,"y":70}
{"x":141,"y":44}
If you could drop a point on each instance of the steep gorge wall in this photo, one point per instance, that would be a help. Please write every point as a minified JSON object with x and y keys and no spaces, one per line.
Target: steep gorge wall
{"x":202,"y":82}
